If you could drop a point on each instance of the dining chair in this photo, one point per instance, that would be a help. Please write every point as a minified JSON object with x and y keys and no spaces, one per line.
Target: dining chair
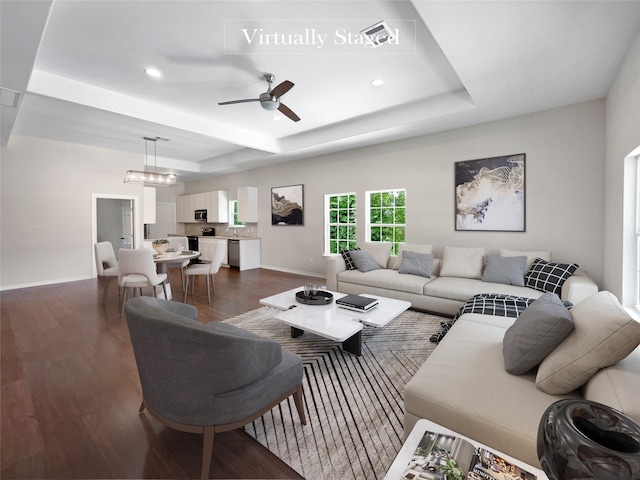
{"x":207,"y":269}
{"x":138,"y":270}
{"x":207,"y":378}
{"x":106,"y":265}
{"x":175,"y":243}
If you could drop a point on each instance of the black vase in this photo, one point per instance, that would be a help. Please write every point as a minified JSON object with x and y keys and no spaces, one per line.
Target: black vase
{"x":580,"y":439}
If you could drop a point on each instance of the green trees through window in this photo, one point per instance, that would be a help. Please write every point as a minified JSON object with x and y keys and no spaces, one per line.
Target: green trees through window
{"x":341,"y":225}
{"x":387,"y":217}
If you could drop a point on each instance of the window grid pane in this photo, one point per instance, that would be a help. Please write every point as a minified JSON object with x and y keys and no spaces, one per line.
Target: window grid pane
{"x":387,"y":217}
{"x":341,"y":222}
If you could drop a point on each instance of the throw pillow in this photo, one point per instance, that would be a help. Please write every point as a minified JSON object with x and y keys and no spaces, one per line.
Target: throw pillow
{"x":538,"y":330}
{"x":530,"y":254}
{"x":604,"y":334}
{"x":415,"y":263}
{"x":465,"y":262}
{"x":412,"y":247}
{"x":507,"y":270}
{"x":380,"y":251}
{"x":364,"y":260}
{"x":549,"y":276}
{"x":346,"y":255}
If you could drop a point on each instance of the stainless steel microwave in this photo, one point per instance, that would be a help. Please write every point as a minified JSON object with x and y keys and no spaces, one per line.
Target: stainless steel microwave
{"x":201,"y":216}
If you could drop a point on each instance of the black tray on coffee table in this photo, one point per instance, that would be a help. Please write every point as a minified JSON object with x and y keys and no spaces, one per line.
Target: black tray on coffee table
{"x":320,"y":298}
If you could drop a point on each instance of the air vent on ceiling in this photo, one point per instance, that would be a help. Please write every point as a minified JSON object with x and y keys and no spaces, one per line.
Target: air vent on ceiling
{"x":378,"y":34}
{"x":8,"y":97}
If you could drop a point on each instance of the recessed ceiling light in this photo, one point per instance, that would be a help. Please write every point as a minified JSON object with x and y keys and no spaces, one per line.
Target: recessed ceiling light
{"x":378,"y":82}
{"x":153,"y":72}
{"x":276,"y":118}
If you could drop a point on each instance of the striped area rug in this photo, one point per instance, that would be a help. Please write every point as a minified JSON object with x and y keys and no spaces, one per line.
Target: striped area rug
{"x":353,"y":404}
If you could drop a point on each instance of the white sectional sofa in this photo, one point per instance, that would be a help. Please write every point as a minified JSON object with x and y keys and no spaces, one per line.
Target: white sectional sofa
{"x":444,"y":292}
{"x":463,"y":385}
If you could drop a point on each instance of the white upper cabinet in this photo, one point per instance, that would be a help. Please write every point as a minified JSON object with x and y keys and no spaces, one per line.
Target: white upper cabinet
{"x":217,"y":207}
{"x":215,"y":203}
{"x":149,"y":212}
{"x":248,"y":204}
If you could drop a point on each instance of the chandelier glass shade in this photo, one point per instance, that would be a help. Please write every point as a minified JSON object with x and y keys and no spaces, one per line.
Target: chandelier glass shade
{"x":148,"y":178}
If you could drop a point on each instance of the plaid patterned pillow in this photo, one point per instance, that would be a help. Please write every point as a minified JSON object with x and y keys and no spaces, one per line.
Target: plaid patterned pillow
{"x":548,"y":276}
{"x":498,"y":304}
{"x":347,"y":258}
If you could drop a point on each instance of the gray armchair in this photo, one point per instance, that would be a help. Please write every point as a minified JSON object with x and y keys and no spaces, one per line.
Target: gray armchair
{"x":207,"y":378}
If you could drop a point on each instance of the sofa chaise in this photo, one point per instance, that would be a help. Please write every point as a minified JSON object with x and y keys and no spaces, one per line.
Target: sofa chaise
{"x":443,"y":285}
{"x":464,"y":384}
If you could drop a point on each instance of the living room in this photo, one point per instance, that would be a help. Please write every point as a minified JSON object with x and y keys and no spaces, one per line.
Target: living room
{"x":578,"y":181}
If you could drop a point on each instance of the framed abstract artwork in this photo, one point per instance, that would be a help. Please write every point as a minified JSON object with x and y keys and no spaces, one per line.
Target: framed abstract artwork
{"x":490,"y":194}
{"x":287,"y":205}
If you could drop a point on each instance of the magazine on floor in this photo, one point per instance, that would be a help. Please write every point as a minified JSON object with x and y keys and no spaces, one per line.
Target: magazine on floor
{"x":439,"y":454}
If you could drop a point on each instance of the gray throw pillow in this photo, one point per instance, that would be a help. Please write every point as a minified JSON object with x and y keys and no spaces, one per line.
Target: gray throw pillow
{"x":507,"y":270}
{"x":414,"y":263}
{"x":536,"y":333}
{"x":364,"y":260}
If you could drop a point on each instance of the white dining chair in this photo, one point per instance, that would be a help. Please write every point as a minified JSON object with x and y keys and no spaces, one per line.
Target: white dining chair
{"x":106,"y":265}
{"x":175,"y":243}
{"x":207,"y":269}
{"x":138,"y":270}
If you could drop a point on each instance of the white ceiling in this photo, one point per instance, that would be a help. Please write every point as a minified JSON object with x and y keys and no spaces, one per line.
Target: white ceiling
{"x":79,"y":66}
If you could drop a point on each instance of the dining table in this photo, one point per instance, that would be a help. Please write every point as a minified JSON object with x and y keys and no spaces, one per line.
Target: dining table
{"x":173,"y":257}
{"x":162,"y":260}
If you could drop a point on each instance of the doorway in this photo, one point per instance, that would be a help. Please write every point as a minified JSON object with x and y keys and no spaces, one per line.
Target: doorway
{"x":115,"y":220}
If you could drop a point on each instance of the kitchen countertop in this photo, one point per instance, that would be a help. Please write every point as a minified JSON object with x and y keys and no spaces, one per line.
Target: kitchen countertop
{"x":228,"y":238}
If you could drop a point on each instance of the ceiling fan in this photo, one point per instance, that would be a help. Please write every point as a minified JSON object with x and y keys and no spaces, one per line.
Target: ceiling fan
{"x":270,"y":100}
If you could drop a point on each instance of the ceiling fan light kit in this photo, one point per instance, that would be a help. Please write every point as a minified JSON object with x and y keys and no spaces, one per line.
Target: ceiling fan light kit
{"x":151,"y":179}
{"x":270,"y":100}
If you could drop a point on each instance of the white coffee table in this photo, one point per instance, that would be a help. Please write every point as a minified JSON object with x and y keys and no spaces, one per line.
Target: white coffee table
{"x":333,"y":322}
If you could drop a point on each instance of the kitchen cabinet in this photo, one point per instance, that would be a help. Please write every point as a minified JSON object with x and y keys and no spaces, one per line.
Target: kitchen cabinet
{"x":248,"y":204}
{"x":149,"y":211}
{"x":217,"y":207}
{"x":214,"y":202}
{"x":207,"y":246}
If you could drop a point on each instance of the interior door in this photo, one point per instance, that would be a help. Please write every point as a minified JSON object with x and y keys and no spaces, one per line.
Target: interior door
{"x":126,"y":239}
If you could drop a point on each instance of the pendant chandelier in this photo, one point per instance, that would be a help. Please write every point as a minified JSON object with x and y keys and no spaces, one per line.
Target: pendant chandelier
{"x":151,"y":179}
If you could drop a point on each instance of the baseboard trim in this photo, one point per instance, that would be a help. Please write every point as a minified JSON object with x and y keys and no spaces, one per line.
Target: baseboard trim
{"x":44,"y":282}
{"x":296,"y":272}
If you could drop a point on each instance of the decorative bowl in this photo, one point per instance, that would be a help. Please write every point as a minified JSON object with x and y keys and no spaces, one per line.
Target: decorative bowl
{"x":161,"y":248}
{"x":581,"y":439}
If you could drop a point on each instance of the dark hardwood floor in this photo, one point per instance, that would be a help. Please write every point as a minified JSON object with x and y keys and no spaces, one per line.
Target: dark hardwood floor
{"x":70,"y":389}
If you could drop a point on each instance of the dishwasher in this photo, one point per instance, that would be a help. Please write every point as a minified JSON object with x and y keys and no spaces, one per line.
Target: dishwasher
{"x":234,"y":253}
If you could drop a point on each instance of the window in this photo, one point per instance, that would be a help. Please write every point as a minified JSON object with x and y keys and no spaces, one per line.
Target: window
{"x":631,"y":232}
{"x":233,"y":215}
{"x":637,"y":286}
{"x":340,"y":223}
{"x":386,"y":217}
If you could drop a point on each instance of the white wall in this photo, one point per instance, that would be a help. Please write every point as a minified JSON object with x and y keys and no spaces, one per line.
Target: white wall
{"x":46,"y":224}
{"x":565,"y":150}
{"x":622,"y":137}
{"x":46,"y":212}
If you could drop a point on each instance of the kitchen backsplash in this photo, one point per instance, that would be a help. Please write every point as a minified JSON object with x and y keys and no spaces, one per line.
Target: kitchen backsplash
{"x":222,"y":229}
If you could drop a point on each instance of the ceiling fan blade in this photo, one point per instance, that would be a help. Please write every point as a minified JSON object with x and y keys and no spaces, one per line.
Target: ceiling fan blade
{"x":240,"y":101}
{"x":288,"y":112}
{"x":281,"y":89}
